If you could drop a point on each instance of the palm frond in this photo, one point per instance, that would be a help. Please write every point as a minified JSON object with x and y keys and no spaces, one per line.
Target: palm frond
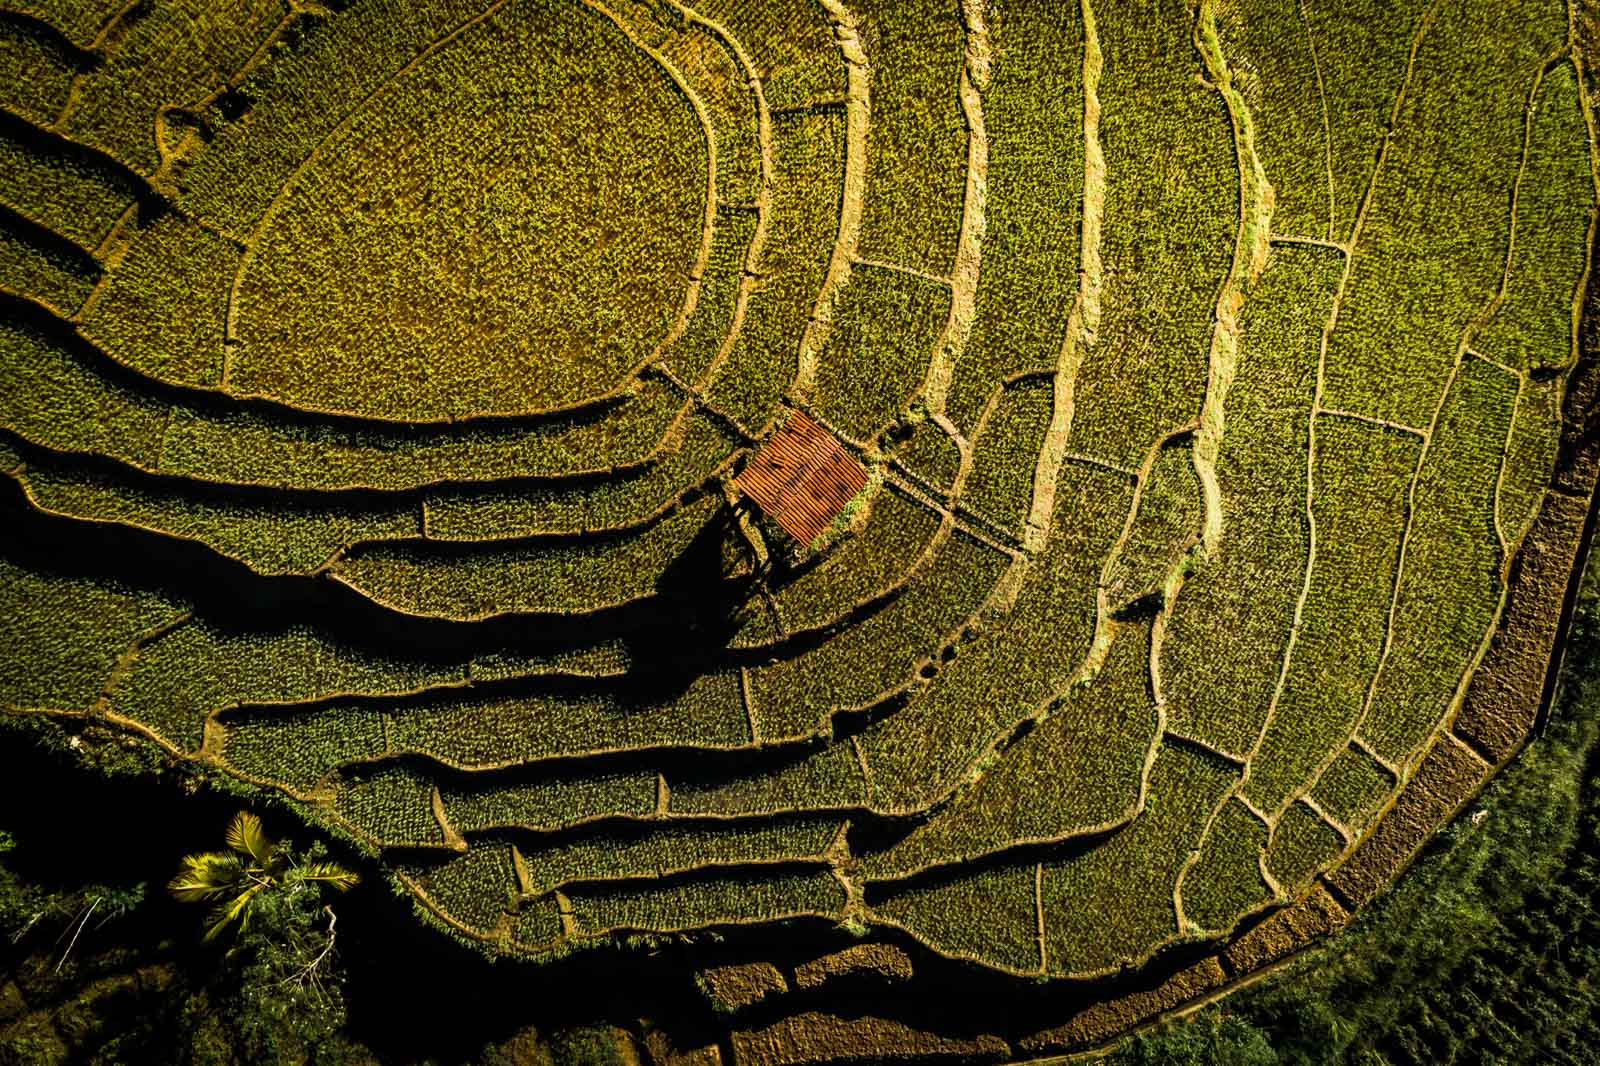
{"x":227,"y":911}
{"x":329,"y":873}
{"x":206,"y":876}
{"x":246,"y":836}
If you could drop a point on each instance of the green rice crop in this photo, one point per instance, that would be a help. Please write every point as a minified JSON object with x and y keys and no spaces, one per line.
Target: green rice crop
{"x":1033,"y":110}
{"x":358,"y":297}
{"x":705,"y":901}
{"x":880,"y":652}
{"x":34,"y":83}
{"x":1450,"y":589}
{"x":661,"y":851}
{"x":559,"y":577}
{"x":44,"y":272}
{"x":64,"y":635}
{"x":490,"y":513}
{"x":164,"y":307}
{"x":886,"y":326}
{"x":1217,"y":690}
{"x":1168,"y":233}
{"x":869,"y":564}
{"x":474,"y":889}
{"x":1278,"y":67}
{"x":392,"y":807}
{"x":472,"y":804}
{"x":300,"y":749}
{"x":1533,"y":328}
{"x":1301,"y":845}
{"x":1427,"y":265}
{"x":1530,"y":456}
{"x":79,"y":21}
{"x":829,"y":778}
{"x":1361,"y":478}
{"x":790,"y":44}
{"x":808,"y":151}
{"x":269,"y":537}
{"x":509,"y":731}
{"x":1079,"y":769}
{"x":1166,"y":526}
{"x":1016,"y":666}
{"x":1225,"y":881}
{"x":176,"y":52}
{"x":1137,"y":868}
{"x":991,"y":917}
{"x":69,"y":193}
{"x":917,"y":143}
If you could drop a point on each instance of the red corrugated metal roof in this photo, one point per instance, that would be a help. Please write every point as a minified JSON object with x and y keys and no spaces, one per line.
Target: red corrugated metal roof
{"x":802,"y":478}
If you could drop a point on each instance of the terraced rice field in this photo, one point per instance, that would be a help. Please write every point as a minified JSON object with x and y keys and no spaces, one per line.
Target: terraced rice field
{"x":375,"y":381}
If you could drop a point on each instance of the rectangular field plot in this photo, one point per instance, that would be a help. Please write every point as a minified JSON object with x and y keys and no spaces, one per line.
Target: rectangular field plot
{"x":1434,"y":246}
{"x":1449,"y":592}
{"x":510,"y":731}
{"x":1534,"y":328}
{"x":990,"y":917}
{"x":826,"y":779}
{"x":475,"y":803}
{"x":1079,"y":770}
{"x":283,"y":537}
{"x":63,"y":635}
{"x":1270,"y":51}
{"x":881,"y":652}
{"x":1219,"y":691}
{"x":693,"y":903}
{"x":791,"y":45}
{"x":1117,"y":901}
{"x":1361,"y":477}
{"x":917,"y":140}
{"x":1024,"y":658}
{"x":1171,"y":198}
{"x":558,"y":576}
{"x":870,"y":564}
{"x":392,"y":807}
{"x":628,"y":853}
{"x":808,"y":160}
{"x":1000,"y":486}
{"x":74,"y":194}
{"x":1353,"y":788}
{"x":1033,"y":114}
{"x":886,"y":326}
{"x":1302,"y":844}
{"x":1224,"y":883}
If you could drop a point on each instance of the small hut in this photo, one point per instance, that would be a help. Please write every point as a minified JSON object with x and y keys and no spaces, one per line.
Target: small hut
{"x":802,"y":478}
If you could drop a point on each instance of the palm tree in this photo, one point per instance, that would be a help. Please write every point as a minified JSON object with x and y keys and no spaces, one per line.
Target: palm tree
{"x":253,"y":863}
